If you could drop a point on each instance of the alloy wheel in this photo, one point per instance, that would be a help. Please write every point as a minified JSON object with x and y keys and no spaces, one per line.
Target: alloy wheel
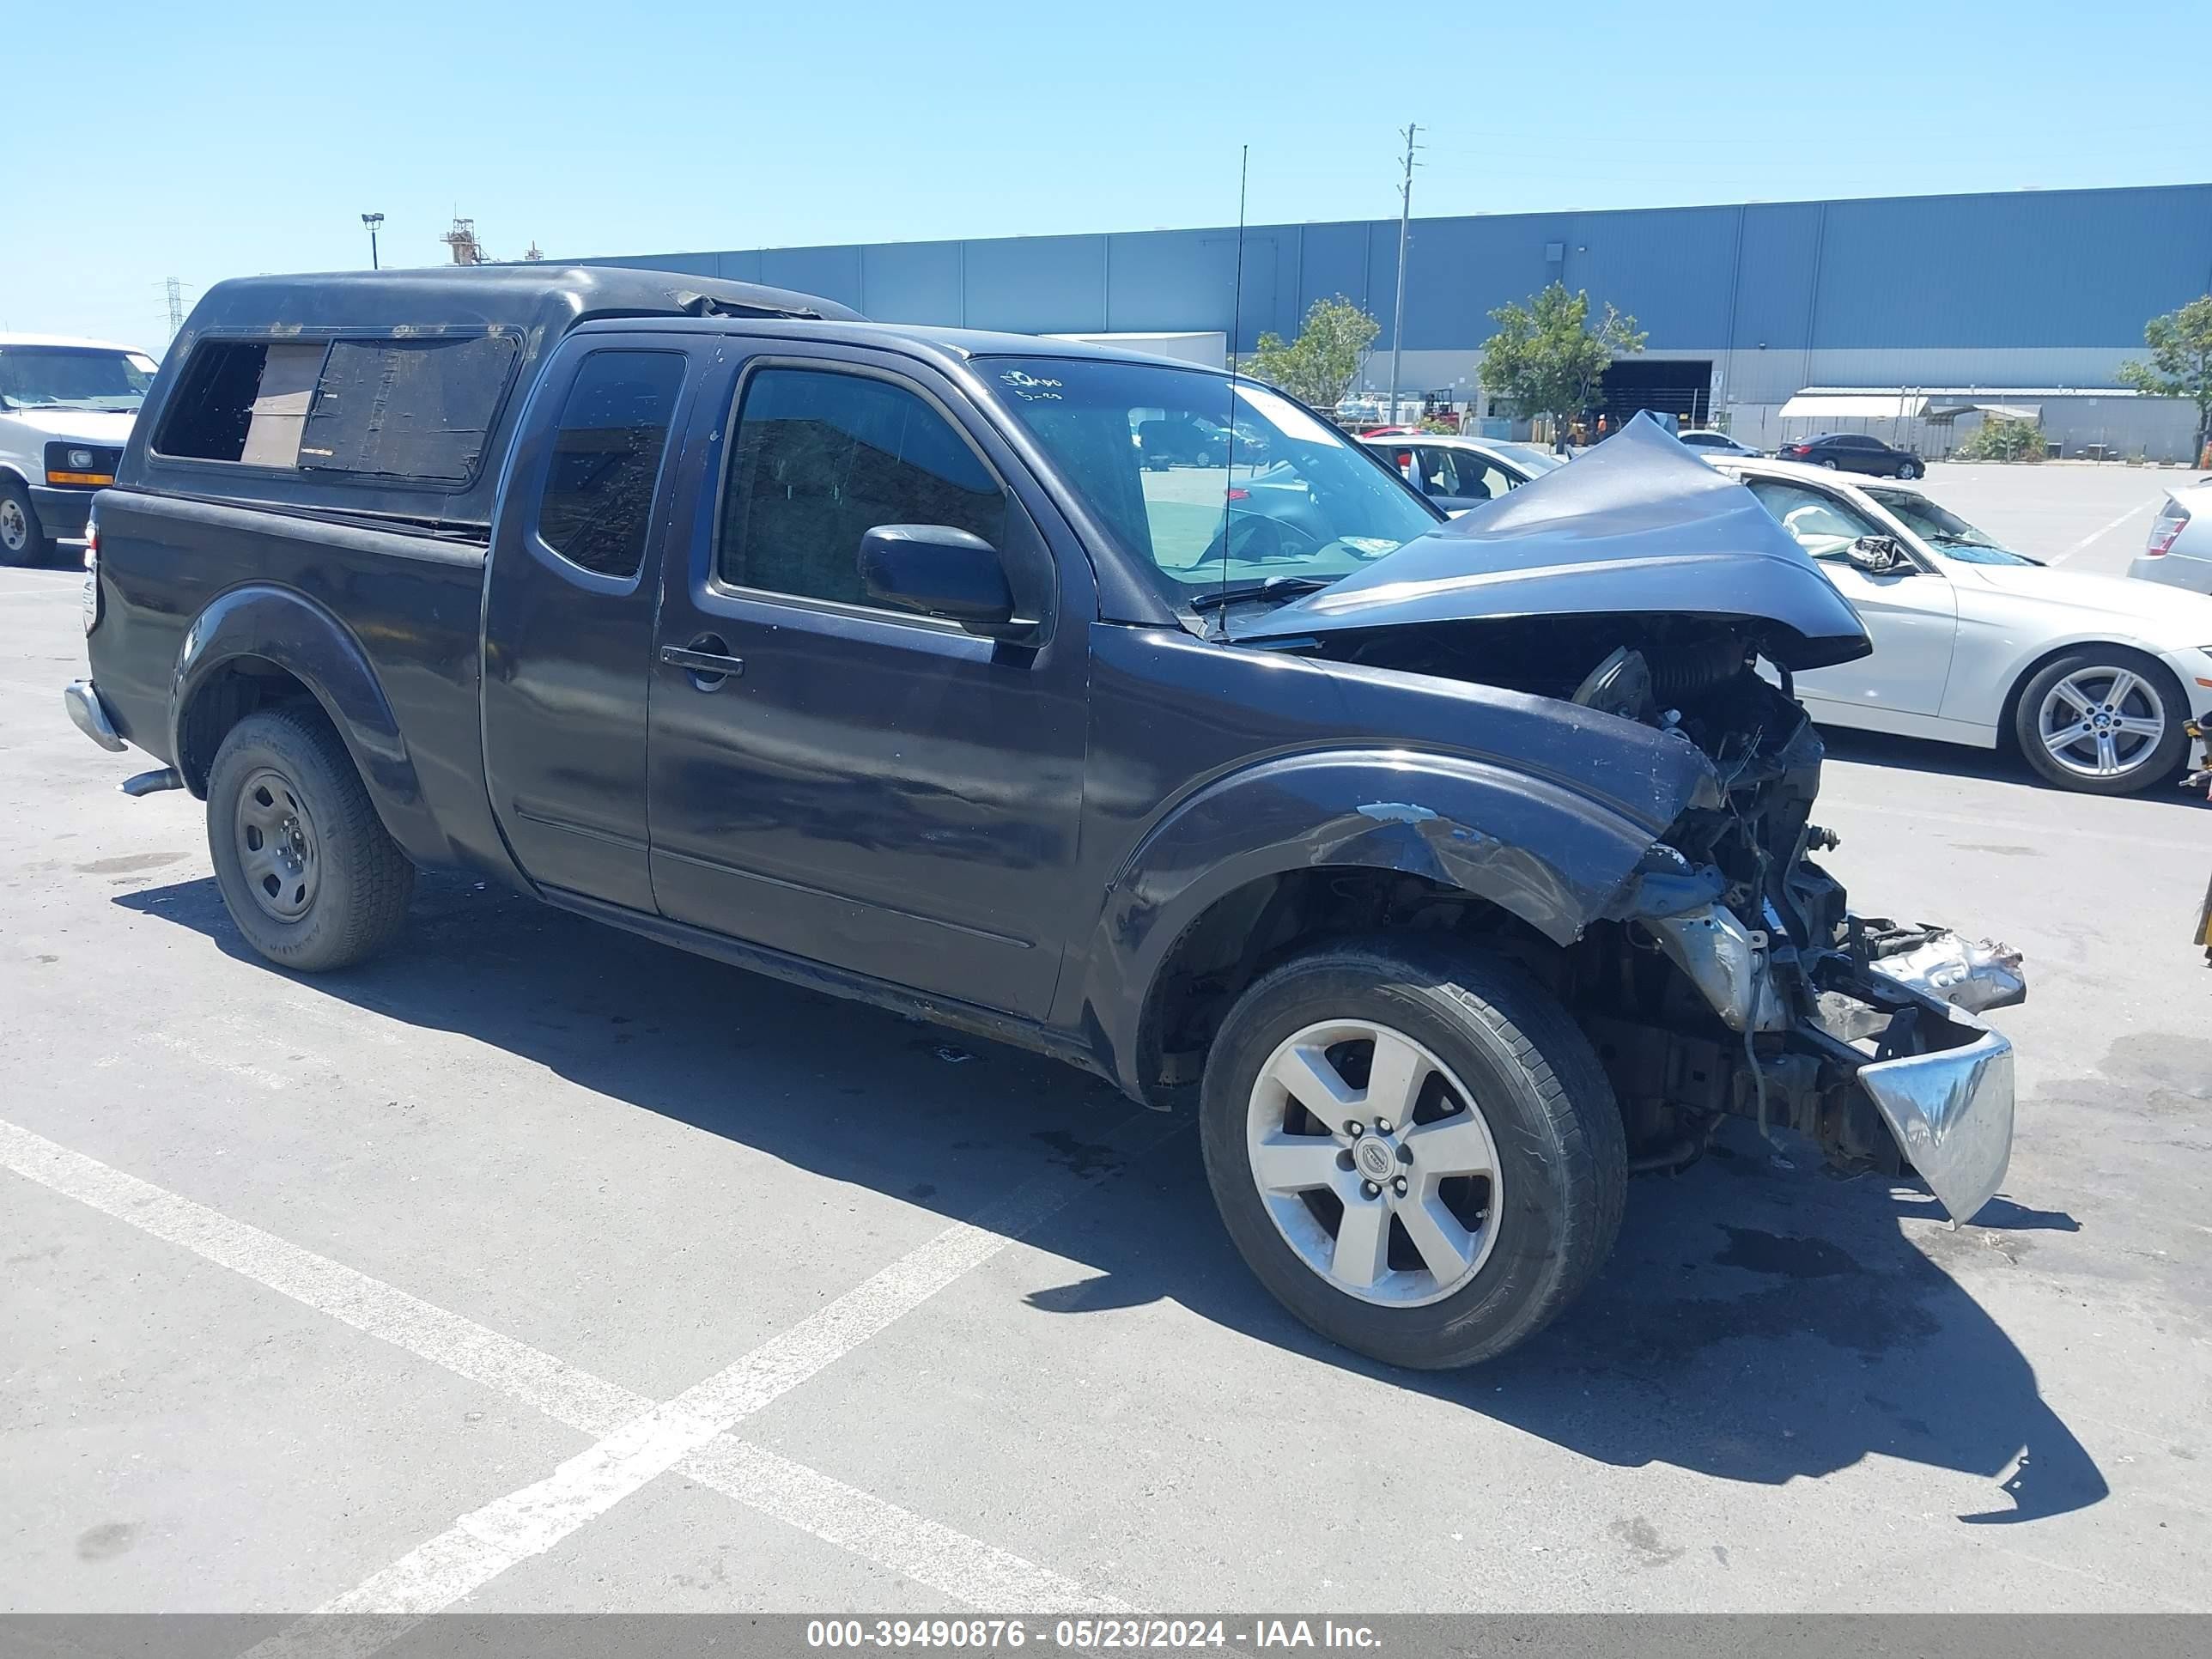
{"x":2101,"y":722}
{"x":1375,"y":1162}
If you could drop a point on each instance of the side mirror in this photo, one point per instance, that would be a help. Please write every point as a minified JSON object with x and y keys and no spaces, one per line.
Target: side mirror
{"x":1880,"y":555}
{"x":938,"y":571}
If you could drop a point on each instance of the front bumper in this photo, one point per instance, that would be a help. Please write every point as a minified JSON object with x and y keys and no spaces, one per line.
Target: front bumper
{"x":63,"y":512}
{"x":1940,"y":1077}
{"x":89,"y":716}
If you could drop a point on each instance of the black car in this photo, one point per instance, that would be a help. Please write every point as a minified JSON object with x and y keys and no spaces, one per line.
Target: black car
{"x":1446,"y":871}
{"x":1853,"y":451}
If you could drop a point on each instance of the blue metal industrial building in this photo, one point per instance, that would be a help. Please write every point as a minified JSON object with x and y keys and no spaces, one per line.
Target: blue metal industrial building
{"x":2031,"y":298}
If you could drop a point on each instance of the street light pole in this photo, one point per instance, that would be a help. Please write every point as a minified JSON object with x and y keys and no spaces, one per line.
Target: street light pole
{"x":372,"y":219}
{"x":1398,"y":317}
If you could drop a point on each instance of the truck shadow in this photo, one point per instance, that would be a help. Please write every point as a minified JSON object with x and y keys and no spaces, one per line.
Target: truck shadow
{"x":1756,"y":1323}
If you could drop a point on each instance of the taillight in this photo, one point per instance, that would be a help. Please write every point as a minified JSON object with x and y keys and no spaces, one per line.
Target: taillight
{"x":91,"y":601}
{"x":1240,"y":495}
{"x":2164,"y":529}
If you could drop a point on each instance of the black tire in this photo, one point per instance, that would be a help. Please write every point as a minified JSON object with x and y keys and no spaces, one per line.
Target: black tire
{"x":23,"y":537}
{"x":1562,"y":1151}
{"x":361,"y":881}
{"x":1908,"y":471}
{"x":2153,"y":767}
{"x":1830,"y":464}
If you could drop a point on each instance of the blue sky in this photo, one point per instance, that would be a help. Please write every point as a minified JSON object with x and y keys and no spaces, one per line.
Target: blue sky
{"x":213,"y":140}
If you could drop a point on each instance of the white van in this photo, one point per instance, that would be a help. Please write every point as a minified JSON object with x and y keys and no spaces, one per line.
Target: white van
{"x":65,"y":409}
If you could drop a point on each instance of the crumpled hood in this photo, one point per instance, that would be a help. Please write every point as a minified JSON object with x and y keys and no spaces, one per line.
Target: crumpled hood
{"x":84,"y":426}
{"x":1637,"y":525}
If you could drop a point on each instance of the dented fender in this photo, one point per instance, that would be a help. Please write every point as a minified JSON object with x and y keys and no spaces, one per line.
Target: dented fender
{"x":1554,"y":858}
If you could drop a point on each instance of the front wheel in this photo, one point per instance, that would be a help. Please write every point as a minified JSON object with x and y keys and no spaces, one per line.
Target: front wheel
{"x":306,"y":867}
{"x":1908,"y":471}
{"x":2104,"y":720}
{"x":1414,"y":1149}
{"x":22,"y":538}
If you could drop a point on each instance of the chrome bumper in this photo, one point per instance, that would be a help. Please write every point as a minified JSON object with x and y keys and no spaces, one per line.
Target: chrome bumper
{"x":1951,"y":1112}
{"x":89,"y":716}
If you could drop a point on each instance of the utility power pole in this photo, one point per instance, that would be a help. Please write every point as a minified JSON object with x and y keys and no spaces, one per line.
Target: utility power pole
{"x":176,"y":298}
{"x":1405,"y":225}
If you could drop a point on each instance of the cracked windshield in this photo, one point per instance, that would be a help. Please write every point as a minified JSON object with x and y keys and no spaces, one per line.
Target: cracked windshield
{"x":1219,"y":487}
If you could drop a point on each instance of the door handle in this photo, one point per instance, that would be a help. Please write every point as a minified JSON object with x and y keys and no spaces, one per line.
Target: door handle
{"x":707,"y":659}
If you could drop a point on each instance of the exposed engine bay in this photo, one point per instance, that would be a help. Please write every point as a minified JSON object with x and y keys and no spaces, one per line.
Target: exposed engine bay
{"x":1729,"y":977}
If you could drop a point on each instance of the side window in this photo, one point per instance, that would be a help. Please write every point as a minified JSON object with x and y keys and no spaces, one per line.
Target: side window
{"x":606,"y":459}
{"x":419,"y":410}
{"x":1820,"y":524}
{"x":821,"y":458}
{"x":242,"y":400}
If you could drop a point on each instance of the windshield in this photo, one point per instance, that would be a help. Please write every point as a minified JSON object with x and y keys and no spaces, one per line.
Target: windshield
{"x":1945,"y":531}
{"x":1306,"y":508}
{"x":75,"y":377}
{"x":1530,"y":458}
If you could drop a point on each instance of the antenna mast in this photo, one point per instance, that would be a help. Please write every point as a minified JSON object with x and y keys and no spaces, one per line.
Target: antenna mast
{"x":1229,"y":445}
{"x":1405,"y":224}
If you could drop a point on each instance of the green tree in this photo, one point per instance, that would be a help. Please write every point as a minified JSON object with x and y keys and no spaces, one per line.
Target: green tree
{"x":1318,"y":366}
{"x":1546,"y":358}
{"x":2180,"y":363}
{"x":2001,"y":439}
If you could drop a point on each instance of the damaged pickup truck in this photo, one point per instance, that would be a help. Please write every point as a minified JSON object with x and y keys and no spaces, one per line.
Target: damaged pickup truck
{"x":1450,"y":870}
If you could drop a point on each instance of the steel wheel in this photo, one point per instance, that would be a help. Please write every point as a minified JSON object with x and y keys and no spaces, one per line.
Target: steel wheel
{"x":1375,"y":1161}
{"x":277,"y":846}
{"x":2101,"y":722}
{"x":15,"y":526}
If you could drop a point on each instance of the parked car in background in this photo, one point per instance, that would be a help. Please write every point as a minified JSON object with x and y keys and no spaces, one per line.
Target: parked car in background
{"x":1703,"y":440}
{"x":1165,"y":439}
{"x":1458,"y":473}
{"x":2094,"y":678}
{"x":66,"y":407}
{"x":2178,"y":551}
{"x":1852,"y":451}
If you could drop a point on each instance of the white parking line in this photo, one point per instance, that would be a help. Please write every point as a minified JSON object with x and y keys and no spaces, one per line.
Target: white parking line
{"x":976,"y":1573}
{"x":634,"y":1434}
{"x":509,"y":1530}
{"x":461,"y":1346}
{"x":2096,"y":536}
{"x":237,"y":1068}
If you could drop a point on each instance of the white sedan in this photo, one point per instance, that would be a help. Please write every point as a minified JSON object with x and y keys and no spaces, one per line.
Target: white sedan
{"x":2092,"y":679}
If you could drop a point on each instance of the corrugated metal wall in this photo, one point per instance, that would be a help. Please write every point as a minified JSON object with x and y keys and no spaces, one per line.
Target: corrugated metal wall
{"x":2026,"y":271}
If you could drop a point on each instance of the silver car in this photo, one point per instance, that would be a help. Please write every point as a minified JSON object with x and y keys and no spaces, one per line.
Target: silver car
{"x":2179,"y":550}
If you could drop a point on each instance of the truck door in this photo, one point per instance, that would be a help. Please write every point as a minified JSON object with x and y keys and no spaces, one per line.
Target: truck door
{"x":870,"y":788}
{"x":568,"y":618}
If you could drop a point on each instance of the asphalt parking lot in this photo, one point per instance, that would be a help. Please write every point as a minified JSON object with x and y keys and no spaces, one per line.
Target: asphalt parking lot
{"x":536,"y":1266}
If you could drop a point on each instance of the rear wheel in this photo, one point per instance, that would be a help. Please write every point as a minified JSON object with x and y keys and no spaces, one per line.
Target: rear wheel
{"x":1830,"y":464}
{"x":1414,"y":1149}
{"x":2103,"y":720}
{"x":306,"y":869}
{"x":22,"y":538}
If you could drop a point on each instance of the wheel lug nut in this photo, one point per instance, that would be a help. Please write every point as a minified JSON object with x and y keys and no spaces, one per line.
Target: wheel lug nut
{"x":1399,"y":1185}
{"x":1381,"y":1125}
{"x":1368,"y":1189}
{"x":1353,"y":1128}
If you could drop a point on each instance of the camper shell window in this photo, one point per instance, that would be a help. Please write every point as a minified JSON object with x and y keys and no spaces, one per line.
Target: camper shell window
{"x":418,"y":408}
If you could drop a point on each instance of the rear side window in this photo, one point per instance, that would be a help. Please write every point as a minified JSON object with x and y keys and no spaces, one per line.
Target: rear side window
{"x":243,"y":401}
{"x":821,"y":458}
{"x":416,"y":410}
{"x":606,"y":459}
{"x":408,"y":409}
